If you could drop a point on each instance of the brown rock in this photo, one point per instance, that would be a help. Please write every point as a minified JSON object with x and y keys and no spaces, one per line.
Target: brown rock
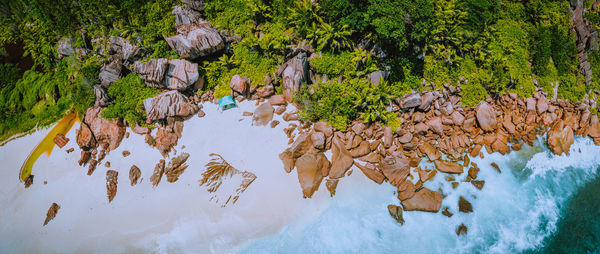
{"x":560,"y":138}
{"x":111,"y":184}
{"x":406,"y":190}
{"x":405,"y":138}
{"x":126,"y":153}
{"x":176,"y":167}
{"x":265,"y":91}
{"x":92,"y":166}
{"x":530,"y":104}
{"x":277,"y":100}
{"x":362,"y":150}
{"x":300,"y":146}
{"x":396,"y":213}
{"x":421,"y":128}
{"x":70,"y":150}
{"x":318,"y":140}
{"x":496,"y":167}
{"x":457,"y":118}
{"x":263,"y":114}
{"x":165,"y":140}
{"x":387,"y":137}
{"x":290,"y":117}
{"x":107,"y":133}
{"x":331,"y":185}
{"x":426,"y":100}
{"x":341,"y":159}
{"x":85,"y":156}
{"x":447,"y":212}
{"x":323,"y":127}
{"x":29,"y":181}
{"x":486,"y":117}
{"x":158,"y":173}
{"x":85,"y":138}
{"x":542,"y":105}
{"x":594,"y":129}
{"x":310,"y":168}
{"x":432,"y":153}
{"x":239,"y":84}
{"x":51,"y":214}
{"x":134,"y":175}
{"x":464,"y":206}
{"x":60,"y":140}
{"x":201,"y":113}
{"x":395,"y":169}
{"x":358,"y":128}
{"x":371,"y":172}
{"x":279,"y":110}
{"x":424,"y":200}
{"x":461,"y":230}
{"x":473,"y":171}
{"x":435,"y":124}
{"x":168,"y":104}
{"x":141,"y":130}
{"x":478,"y":184}
{"x":448,"y":167}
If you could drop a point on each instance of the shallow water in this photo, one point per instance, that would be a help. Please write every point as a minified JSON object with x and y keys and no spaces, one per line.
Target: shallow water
{"x":539,"y":203}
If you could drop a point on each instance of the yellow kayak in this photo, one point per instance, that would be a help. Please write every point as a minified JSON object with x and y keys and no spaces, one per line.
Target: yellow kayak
{"x":62,"y":127}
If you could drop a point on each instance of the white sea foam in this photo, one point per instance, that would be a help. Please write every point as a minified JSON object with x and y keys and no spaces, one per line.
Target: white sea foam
{"x":515,"y":210}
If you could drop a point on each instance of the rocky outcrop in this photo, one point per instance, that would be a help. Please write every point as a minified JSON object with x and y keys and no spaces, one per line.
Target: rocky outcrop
{"x":294,"y":73}
{"x":96,"y":129}
{"x":300,"y":146}
{"x":111,"y":184}
{"x":122,"y":48}
{"x":65,"y":47}
{"x":196,"y":37}
{"x":51,"y":214}
{"x":168,"y":104}
{"x":239,"y":85}
{"x":424,"y":200}
{"x":310,"y":168}
{"x":102,"y":99}
{"x":560,"y":138}
{"x":175,"y":74}
{"x":586,"y":36}
{"x":111,"y":72}
{"x":168,"y":135}
{"x":341,"y":159}
{"x":263,"y":114}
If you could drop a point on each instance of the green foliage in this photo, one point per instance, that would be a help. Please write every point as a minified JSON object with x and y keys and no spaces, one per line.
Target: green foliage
{"x":333,"y":65}
{"x":328,"y":37}
{"x":8,"y":74}
{"x":346,"y":12}
{"x":244,"y":62}
{"x":340,"y":103}
{"x":472,"y":93}
{"x":570,"y":88}
{"x":128,"y":94}
{"x":222,"y":91}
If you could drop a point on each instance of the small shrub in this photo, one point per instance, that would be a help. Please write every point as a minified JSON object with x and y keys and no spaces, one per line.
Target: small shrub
{"x":128,"y":94}
{"x":333,"y":65}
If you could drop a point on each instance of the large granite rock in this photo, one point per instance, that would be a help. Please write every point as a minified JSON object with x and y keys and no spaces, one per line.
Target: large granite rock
{"x":295,"y":73}
{"x":123,"y":48}
{"x":176,"y":74}
{"x":301,"y":145}
{"x":107,"y":133}
{"x":65,"y":47}
{"x":168,"y":104}
{"x":486,"y":117}
{"x":101,"y":94}
{"x":197,"y":43}
{"x":310,"y":168}
{"x":395,"y":169}
{"x":424,"y":200}
{"x":560,"y":138}
{"x":341,"y":159}
{"x":110,"y":73}
{"x":263,"y":114}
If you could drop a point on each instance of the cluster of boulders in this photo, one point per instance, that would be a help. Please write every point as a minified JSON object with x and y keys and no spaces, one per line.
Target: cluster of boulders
{"x":436,"y":127}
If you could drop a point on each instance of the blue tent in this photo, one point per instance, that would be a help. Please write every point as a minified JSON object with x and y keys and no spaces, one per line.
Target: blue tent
{"x":226,"y":103}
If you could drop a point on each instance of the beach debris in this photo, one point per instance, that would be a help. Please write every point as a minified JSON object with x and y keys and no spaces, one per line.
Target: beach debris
{"x":396,"y":213}
{"x":464,"y":206}
{"x":274,"y":123}
{"x":478,"y":184}
{"x":201,"y":113}
{"x":496,"y":167}
{"x":92,"y":166}
{"x":60,"y":140}
{"x":70,"y":150}
{"x":217,"y":172}
{"x":447,"y":212}
{"x":134,"y":175}
{"x":176,"y":167}
{"x":51,"y":214}
{"x":158,"y":173}
{"x":29,"y":181}
{"x":111,"y":184}
{"x":85,"y":156}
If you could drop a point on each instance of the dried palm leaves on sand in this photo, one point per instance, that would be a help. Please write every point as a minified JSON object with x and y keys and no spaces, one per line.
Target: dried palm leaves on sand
{"x":218,"y":171}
